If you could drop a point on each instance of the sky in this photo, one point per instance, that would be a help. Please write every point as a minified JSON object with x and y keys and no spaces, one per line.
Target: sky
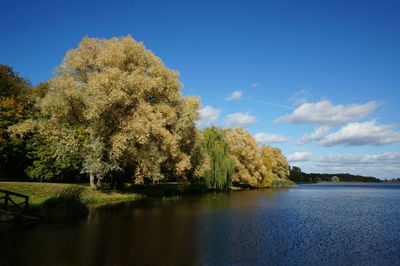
{"x":318,"y":79}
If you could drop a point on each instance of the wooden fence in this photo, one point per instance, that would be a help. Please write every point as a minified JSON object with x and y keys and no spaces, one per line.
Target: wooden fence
{"x":9,"y":202}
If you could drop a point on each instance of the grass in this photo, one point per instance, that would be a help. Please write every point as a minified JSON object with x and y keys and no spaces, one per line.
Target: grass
{"x":39,"y":192}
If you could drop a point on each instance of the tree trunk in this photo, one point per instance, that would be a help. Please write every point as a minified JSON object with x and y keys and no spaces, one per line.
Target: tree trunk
{"x":99,"y":183}
{"x":93,"y":182}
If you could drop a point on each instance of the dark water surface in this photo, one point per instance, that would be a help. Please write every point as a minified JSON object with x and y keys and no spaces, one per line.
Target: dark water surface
{"x":318,"y":224}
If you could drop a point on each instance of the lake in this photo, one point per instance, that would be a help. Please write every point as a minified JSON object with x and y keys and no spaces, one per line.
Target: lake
{"x":316,"y":224}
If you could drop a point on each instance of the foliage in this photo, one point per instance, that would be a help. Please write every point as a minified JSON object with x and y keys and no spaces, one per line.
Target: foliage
{"x":222,"y":164}
{"x":26,"y":155}
{"x":276,"y":183}
{"x":13,"y":109}
{"x":244,"y":149}
{"x":295,"y":174}
{"x":335,"y":179}
{"x":267,"y":179}
{"x":11,"y":84}
{"x":316,"y":177}
{"x":275,"y":162}
{"x":11,"y":112}
{"x":115,"y":105}
{"x":44,"y":165}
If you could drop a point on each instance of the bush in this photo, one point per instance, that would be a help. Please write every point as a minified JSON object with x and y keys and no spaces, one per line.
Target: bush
{"x":66,"y":205}
{"x":282,"y":183}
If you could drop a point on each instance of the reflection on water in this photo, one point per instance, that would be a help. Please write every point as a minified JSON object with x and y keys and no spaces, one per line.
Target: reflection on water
{"x":321,"y":224}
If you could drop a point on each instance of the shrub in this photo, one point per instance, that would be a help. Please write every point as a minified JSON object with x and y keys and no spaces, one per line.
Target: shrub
{"x":66,"y":205}
{"x":282,"y":183}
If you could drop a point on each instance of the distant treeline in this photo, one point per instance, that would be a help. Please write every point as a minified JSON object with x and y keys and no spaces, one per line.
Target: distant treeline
{"x":297,"y":176}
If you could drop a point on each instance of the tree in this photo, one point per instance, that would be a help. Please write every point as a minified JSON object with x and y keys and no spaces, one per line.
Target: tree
{"x":244,"y":149}
{"x":296,"y":174}
{"x":45,"y":167}
{"x":13,"y":109}
{"x":114,"y":105}
{"x":275,"y":161}
{"x":11,"y":84}
{"x":335,"y":179}
{"x":222,"y":164}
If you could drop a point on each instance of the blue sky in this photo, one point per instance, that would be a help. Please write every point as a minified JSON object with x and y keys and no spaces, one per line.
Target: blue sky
{"x":332,"y":67}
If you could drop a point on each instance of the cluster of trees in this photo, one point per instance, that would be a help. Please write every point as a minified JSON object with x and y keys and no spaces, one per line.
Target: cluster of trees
{"x":113,"y":112}
{"x":393,"y":180}
{"x":235,"y":157}
{"x":297,"y":176}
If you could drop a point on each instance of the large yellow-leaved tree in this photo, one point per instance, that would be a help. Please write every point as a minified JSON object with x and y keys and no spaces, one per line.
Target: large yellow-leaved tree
{"x":116,"y":106}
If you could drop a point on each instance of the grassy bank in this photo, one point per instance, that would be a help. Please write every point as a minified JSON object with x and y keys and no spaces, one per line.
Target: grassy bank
{"x":57,"y":201}
{"x":40,"y":192}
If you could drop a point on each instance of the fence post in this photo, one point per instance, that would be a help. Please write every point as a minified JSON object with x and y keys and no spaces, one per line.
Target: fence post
{"x":6,"y":201}
{"x":26,"y":203}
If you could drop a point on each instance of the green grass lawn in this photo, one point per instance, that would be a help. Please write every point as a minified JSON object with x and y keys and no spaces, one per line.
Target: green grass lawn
{"x":39,"y":192}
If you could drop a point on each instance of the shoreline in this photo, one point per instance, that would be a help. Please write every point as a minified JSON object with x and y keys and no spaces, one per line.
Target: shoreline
{"x":40,"y":192}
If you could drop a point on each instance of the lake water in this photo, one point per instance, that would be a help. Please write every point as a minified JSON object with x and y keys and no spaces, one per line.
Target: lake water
{"x":317,"y":224}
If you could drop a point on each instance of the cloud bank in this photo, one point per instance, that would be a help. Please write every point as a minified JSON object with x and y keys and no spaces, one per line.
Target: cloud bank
{"x":362,"y":133}
{"x":324,"y":113}
{"x":318,"y":134}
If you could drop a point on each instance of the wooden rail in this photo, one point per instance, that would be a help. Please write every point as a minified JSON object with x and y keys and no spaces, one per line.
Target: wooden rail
{"x":8,"y":199}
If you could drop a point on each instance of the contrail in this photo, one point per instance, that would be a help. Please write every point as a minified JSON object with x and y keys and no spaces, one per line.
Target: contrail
{"x":273,"y":104}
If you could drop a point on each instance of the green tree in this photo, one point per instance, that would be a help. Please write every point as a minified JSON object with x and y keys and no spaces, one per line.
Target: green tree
{"x":45,"y":167}
{"x":13,"y":109}
{"x":296,"y":174}
{"x":222,"y":165}
{"x":114,"y":105}
{"x":11,"y":84}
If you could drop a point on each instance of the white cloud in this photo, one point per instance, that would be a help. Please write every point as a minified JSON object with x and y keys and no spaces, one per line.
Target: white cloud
{"x":324,"y":113}
{"x":270,"y":138}
{"x":318,"y":134}
{"x":300,"y":156}
{"x":300,"y":97}
{"x":236,"y":95}
{"x":362,"y":133}
{"x":239,"y":119}
{"x":391,"y":158}
{"x":379,"y":165}
{"x":255,"y":85}
{"x":208,"y":115}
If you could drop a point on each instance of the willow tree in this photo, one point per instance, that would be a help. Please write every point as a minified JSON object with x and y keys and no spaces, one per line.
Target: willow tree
{"x":222,"y":164}
{"x":116,"y":106}
{"x":244,"y":148}
{"x":275,"y":162}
